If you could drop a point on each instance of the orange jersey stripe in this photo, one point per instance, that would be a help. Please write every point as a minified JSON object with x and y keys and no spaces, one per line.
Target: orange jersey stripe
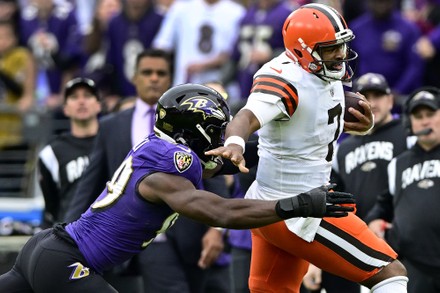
{"x":279,"y":87}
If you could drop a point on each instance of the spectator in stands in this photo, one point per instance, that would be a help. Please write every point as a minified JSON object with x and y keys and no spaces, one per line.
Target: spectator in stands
{"x":10,"y":11}
{"x":351,"y":9}
{"x":151,"y":80}
{"x":201,"y":34}
{"x":50,"y":30}
{"x":95,"y":47}
{"x":84,"y":10}
{"x":260,"y":39}
{"x":385,"y":41}
{"x":129,"y":33}
{"x":428,"y":45}
{"x":17,"y":85}
{"x":62,"y":162}
{"x":17,"y":70}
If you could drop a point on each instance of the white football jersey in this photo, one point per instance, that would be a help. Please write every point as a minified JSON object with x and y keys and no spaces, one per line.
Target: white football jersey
{"x":199,"y":31}
{"x":295,"y":151}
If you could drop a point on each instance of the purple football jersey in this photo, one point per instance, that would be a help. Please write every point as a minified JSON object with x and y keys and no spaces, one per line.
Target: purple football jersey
{"x":126,"y":39}
{"x":60,"y":25}
{"x":120,"y":223}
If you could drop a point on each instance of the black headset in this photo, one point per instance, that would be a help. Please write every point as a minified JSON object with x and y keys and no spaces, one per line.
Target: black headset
{"x":405,"y":117}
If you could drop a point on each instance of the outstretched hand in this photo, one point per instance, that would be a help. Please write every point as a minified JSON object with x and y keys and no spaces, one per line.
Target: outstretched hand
{"x":232,"y":152}
{"x":317,"y":203}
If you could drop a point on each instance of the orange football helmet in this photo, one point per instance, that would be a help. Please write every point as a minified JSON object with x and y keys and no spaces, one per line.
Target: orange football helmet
{"x":314,"y":26}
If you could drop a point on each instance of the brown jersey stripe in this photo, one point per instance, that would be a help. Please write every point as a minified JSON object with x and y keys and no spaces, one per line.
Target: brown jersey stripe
{"x":278,"y":87}
{"x":353,"y":241}
{"x":277,"y":80}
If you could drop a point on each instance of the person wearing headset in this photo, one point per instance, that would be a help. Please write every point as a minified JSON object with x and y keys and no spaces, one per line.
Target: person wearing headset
{"x":407,"y":215}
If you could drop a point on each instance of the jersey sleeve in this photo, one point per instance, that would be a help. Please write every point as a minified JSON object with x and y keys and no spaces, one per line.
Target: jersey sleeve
{"x":392,"y":176}
{"x":48,"y":177}
{"x":271,"y":86}
{"x":272,"y":98}
{"x":173,"y":159}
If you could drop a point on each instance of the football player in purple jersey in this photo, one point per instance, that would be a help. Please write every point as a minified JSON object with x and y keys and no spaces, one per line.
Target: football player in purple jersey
{"x":159,"y":179}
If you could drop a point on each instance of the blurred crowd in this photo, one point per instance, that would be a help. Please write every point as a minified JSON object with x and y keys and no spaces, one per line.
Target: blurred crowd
{"x":45,"y":43}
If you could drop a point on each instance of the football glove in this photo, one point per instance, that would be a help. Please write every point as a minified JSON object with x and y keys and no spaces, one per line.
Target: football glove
{"x":317,"y":203}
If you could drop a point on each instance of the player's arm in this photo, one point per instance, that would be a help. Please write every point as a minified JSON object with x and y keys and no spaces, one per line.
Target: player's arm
{"x":181,"y":195}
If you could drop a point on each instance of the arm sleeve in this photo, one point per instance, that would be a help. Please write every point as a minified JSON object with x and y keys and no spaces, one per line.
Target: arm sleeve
{"x":50,"y":192}
{"x":266,"y":108}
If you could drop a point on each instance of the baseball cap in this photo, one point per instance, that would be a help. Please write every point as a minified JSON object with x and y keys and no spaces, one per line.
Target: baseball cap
{"x":371,"y":82}
{"x":424,"y":98}
{"x":80,"y":81}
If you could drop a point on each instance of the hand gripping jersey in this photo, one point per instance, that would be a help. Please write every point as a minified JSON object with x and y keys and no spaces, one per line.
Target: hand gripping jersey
{"x":120,"y":223}
{"x":296,"y":149}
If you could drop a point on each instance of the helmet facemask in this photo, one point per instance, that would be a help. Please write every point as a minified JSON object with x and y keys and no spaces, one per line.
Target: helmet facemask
{"x":326,"y":68}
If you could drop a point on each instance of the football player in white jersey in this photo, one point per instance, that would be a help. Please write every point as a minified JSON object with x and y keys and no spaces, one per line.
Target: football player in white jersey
{"x":297,"y":105}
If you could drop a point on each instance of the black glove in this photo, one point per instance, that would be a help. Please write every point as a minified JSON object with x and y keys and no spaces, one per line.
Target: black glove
{"x":317,"y":203}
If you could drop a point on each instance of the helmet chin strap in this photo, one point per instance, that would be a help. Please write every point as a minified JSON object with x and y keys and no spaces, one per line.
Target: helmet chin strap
{"x":213,"y":161}
{"x":332,"y":75}
{"x":203,"y":132}
{"x":345,"y":74}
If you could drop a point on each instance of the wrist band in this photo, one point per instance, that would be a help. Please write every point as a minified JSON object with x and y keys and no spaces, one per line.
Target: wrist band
{"x":235,"y":139}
